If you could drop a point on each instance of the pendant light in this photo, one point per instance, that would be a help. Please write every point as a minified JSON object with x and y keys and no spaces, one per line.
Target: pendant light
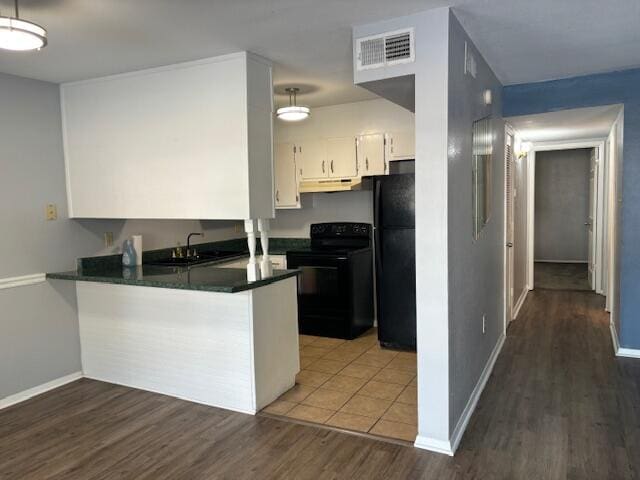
{"x":293,"y":113}
{"x":21,"y":35}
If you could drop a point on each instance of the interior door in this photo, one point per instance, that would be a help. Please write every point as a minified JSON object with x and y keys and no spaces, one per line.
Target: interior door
{"x":312,"y":155}
{"x":370,"y":152}
{"x":285,"y":176}
{"x":341,"y":157}
{"x":592,"y":215}
{"x":509,"y":225}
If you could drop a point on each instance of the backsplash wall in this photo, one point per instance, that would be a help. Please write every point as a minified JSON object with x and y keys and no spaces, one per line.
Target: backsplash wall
{"x":354,"y":206}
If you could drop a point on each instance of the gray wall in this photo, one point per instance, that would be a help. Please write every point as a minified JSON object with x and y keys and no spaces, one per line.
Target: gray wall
{"x":323,"y":207}
{"x":562,"y":205}
{"x":476,"y":273}
{"x":38,"y":324}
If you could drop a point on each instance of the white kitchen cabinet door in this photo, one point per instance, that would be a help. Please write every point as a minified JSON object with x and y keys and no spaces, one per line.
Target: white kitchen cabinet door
{"x":312,"y":159}
{"x":401,"y":145}
{"x":371,"y":159}
{"x":341,"y":157}
{"x":286,"y":176}
{"x":279,"y":262}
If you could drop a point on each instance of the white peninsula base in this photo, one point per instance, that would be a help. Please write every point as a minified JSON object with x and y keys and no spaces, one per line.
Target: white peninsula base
{"x":237,"y":351}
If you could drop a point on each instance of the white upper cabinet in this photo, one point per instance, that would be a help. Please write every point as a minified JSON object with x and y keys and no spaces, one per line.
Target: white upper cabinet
{"x":312,"y":156}
{"x":341,"y":157}
{"x":371,"y":158}
{"x":192,"y":141}
{"x":401,"y":145}
{"x":286,"y":176}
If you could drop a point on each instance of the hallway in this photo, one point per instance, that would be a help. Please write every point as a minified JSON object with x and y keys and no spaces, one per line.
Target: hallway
{"x":558,"y":405}
{"x":561,"y":276}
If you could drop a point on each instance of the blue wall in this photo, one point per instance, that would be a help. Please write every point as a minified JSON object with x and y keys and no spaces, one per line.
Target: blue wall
{"x":590,"y":91}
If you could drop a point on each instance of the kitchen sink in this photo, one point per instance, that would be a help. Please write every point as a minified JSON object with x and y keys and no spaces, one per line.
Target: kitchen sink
{"x":188,"y":261}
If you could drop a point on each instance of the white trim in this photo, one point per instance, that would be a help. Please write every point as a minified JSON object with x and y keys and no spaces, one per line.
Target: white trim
{"x":242,"y":54}
{"x":570,"y":145}
{"x":520,"y":302}
{"x":40,"y":389}
{"x":531,"y":218}
{"x":458,"y":432}
{"x":508,"y":258}
{"x":537,"y":260}
{"x":23,"y":280}
{"x":614,"y":338}
{"x":619,"y":351}
{"x":433,"y":445}
{"x":598,"y":143}
{"x":628,"y":352}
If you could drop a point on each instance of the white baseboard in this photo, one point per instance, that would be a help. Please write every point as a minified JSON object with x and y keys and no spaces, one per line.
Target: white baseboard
{"x":519,"y":303}
{"x":619,"y":351}
{"x":32,"y":392}
{"x":475,"y":395}
{"x":450,"y":447}
{"x":437,"y":446}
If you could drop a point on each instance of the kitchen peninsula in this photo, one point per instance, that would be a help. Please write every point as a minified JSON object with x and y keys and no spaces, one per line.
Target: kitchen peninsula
{"x":201,"y":333}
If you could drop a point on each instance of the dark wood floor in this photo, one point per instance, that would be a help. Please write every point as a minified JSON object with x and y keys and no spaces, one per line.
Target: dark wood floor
{"x":562,"y":276}
{"x":558,"y":405}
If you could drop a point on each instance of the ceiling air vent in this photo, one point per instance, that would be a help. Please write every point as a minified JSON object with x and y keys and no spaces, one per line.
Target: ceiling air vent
{"x":385,"y":49}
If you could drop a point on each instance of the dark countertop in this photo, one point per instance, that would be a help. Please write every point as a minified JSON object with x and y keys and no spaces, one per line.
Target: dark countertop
{"x":205,"y":277}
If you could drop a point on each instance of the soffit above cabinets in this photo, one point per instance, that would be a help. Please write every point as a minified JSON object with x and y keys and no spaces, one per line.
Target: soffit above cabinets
{"x":169,"y":143}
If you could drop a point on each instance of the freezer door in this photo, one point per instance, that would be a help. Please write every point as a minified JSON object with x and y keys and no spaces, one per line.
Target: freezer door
{"x":394,"y":201}
{"x":396,"y":284}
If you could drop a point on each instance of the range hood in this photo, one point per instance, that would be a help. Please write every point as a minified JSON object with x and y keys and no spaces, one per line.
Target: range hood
{"x":331,"y":185}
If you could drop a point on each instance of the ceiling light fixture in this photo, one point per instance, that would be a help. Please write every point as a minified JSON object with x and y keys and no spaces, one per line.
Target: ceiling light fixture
{"x":21,"y":35}
{"x":293,"y":113}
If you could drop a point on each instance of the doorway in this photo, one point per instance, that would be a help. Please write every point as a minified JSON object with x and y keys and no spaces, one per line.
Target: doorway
{"x":564,"y":243}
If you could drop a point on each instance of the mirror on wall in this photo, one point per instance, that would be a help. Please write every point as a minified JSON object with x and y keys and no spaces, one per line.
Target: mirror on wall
{"x":481,"y":178}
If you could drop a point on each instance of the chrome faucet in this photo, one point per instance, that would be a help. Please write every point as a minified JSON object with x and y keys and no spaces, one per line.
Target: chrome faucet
{"x":189,"y":253}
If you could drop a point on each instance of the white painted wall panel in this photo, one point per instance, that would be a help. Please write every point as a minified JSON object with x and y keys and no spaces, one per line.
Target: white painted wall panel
{"x":275,"y":334}
{"x":189,"y":344}
{"x":172,"y":142}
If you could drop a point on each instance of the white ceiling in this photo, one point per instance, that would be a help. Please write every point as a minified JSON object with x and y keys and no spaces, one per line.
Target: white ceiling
{"x":310,"y":40}
{"x":534,"y":40}
{"x":566,"y":125}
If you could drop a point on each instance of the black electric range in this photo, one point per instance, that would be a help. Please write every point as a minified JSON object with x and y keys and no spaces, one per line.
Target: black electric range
{"x":335,"y":290}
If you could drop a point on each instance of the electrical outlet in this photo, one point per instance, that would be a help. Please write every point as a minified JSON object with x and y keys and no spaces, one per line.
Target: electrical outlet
{"x":52,"y":211}
{"x":484,"y":324}
{"x":108,"y":239}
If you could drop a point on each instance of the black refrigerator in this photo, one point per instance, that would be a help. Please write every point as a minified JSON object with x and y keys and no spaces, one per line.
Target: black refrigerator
{"x":395,"y":240}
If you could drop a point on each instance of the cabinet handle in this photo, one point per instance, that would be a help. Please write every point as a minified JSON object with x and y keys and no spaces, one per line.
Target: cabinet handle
{"x":366,"y":162}
{"x":331,"y":166}
{"x":277,"y":195}
{"x":322,"y":166}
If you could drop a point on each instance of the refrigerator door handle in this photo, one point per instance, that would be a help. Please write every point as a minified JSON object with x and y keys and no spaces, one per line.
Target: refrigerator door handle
{"x":376,"y":225}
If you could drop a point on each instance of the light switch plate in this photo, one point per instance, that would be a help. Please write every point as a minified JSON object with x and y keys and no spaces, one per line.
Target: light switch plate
{"x":52,"y":211}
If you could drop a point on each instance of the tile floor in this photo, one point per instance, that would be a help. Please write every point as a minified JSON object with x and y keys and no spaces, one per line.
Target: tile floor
{"x":354,"y":385}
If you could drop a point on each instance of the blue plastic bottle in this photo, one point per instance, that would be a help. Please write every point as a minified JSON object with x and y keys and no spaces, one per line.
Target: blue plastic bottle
{"x":128,"y":254}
